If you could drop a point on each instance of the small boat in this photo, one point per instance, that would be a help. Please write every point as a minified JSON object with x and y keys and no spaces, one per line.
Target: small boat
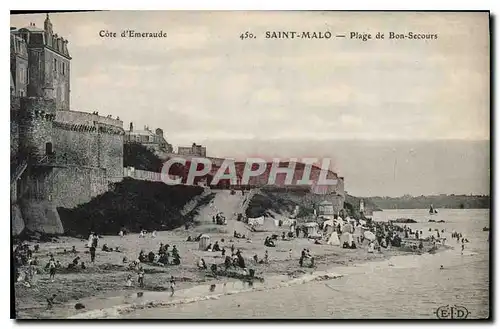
{"x":432,"y":221}
{"x":486,"y":229}
{"x":432,"y":211}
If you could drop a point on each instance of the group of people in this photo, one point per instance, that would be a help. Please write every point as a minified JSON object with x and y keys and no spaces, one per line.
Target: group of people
{"x":306,"y":254}
{"x":161,"y":258}
{"x":25,"y":264}
{"x":460,"y":238}
{"x":143,"y":234}
{"x":269,"y":242}
{"x":216,"y":248}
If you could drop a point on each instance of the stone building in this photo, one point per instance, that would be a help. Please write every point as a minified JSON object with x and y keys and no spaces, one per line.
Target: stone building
{"x":59,"y":157}
{"x":155,"y":141}
{"x":194,"y":149}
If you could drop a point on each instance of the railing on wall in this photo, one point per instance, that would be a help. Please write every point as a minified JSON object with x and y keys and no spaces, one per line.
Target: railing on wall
{"x":148,"y":175}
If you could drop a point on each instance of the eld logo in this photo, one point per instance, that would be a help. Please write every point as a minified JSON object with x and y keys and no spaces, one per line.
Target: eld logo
{"x":452,"y":312}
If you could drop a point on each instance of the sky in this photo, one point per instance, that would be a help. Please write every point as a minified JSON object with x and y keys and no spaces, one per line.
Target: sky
{"x":241,"y":97}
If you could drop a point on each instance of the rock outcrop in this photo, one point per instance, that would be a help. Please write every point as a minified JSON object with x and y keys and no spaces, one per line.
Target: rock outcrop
{"x":42,"y":217}
{"x":17,"y":219}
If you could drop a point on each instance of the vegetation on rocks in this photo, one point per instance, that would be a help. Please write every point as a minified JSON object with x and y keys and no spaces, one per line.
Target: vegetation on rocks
{"x":131,"y":205}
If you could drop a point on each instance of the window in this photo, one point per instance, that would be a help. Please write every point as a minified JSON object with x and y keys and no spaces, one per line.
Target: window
{"x":55,"y":65}
{"x":21,"y":75}
{"x":63,"y":68}
{"x":48,"y":148}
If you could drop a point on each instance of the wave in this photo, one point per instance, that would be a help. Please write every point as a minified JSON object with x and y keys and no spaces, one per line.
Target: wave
{"x":273,"y":282}
{"x":118,"y":310}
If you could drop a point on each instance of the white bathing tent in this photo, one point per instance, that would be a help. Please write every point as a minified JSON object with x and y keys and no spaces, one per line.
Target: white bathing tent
{"x":204,"y":242}
{"x":347,"y":228}
{"x":312,"y":229}
{"x":263,"y":224}
{"x":346,"y":237}
{"x":269,"y":224}
{"x":334,"y":239}
{"x":256,"y":221}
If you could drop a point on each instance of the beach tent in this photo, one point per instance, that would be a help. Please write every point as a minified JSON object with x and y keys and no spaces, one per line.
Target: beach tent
{"x":346,"y":237}
{"x":269,"y":224}
{"x":312,"y":229}
{"x":334,"y":239}
{"x":204,"y":242}
{"x":347,"y":228}
{"x":256,"y":221}
{"x":358,"y":231}
{"x":369,"y":235}
{"x":288,"y":222}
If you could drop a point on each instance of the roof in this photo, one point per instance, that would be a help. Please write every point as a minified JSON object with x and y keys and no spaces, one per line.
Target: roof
{"x":141,"y":132}
{"x":31,"y":28}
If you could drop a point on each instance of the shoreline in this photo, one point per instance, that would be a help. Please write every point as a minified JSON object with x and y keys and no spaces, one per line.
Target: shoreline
{"x":276,"y":281}
{"x":102,"y":286}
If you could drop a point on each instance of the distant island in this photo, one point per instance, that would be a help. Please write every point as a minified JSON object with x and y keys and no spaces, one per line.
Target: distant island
{"x":451,"y":201}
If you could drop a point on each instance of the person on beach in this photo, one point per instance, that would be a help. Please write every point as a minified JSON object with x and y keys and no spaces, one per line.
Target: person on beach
{"x":202,"y":264}
{"x":73,"y":250}
{"x":463,"y":247}
{"x":153,"y":235}
{"x":92,"y":254}
{"x":140,"y":279}
{"x":266,"y":257}
{"x":91,"y":238}
{"x":290,"y":253}
{"x":151,"y":256}
{"x":141,"y":235}
{"x":52,"y":270}
{"x":297,"y":231}
{"x":95,"y":241}
{"x":129,"y":281}
{"x":172,"y":286}
{"x":50,"y":301}
{"x":121,"y":234}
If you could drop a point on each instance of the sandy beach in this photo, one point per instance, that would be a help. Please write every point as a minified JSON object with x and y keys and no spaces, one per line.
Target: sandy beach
{"x":96,"y":285}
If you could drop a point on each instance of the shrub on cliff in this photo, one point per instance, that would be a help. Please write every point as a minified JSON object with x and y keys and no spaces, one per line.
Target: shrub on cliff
{"x":140,"y":157}
{"x":263,"y":202}
{"x":133,"y":205}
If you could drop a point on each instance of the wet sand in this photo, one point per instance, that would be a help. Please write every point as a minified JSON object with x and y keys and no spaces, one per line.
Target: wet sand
{"x":103,"y":284}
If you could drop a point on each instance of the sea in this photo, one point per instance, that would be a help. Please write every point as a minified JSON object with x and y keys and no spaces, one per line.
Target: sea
{"x":403,"y":287}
